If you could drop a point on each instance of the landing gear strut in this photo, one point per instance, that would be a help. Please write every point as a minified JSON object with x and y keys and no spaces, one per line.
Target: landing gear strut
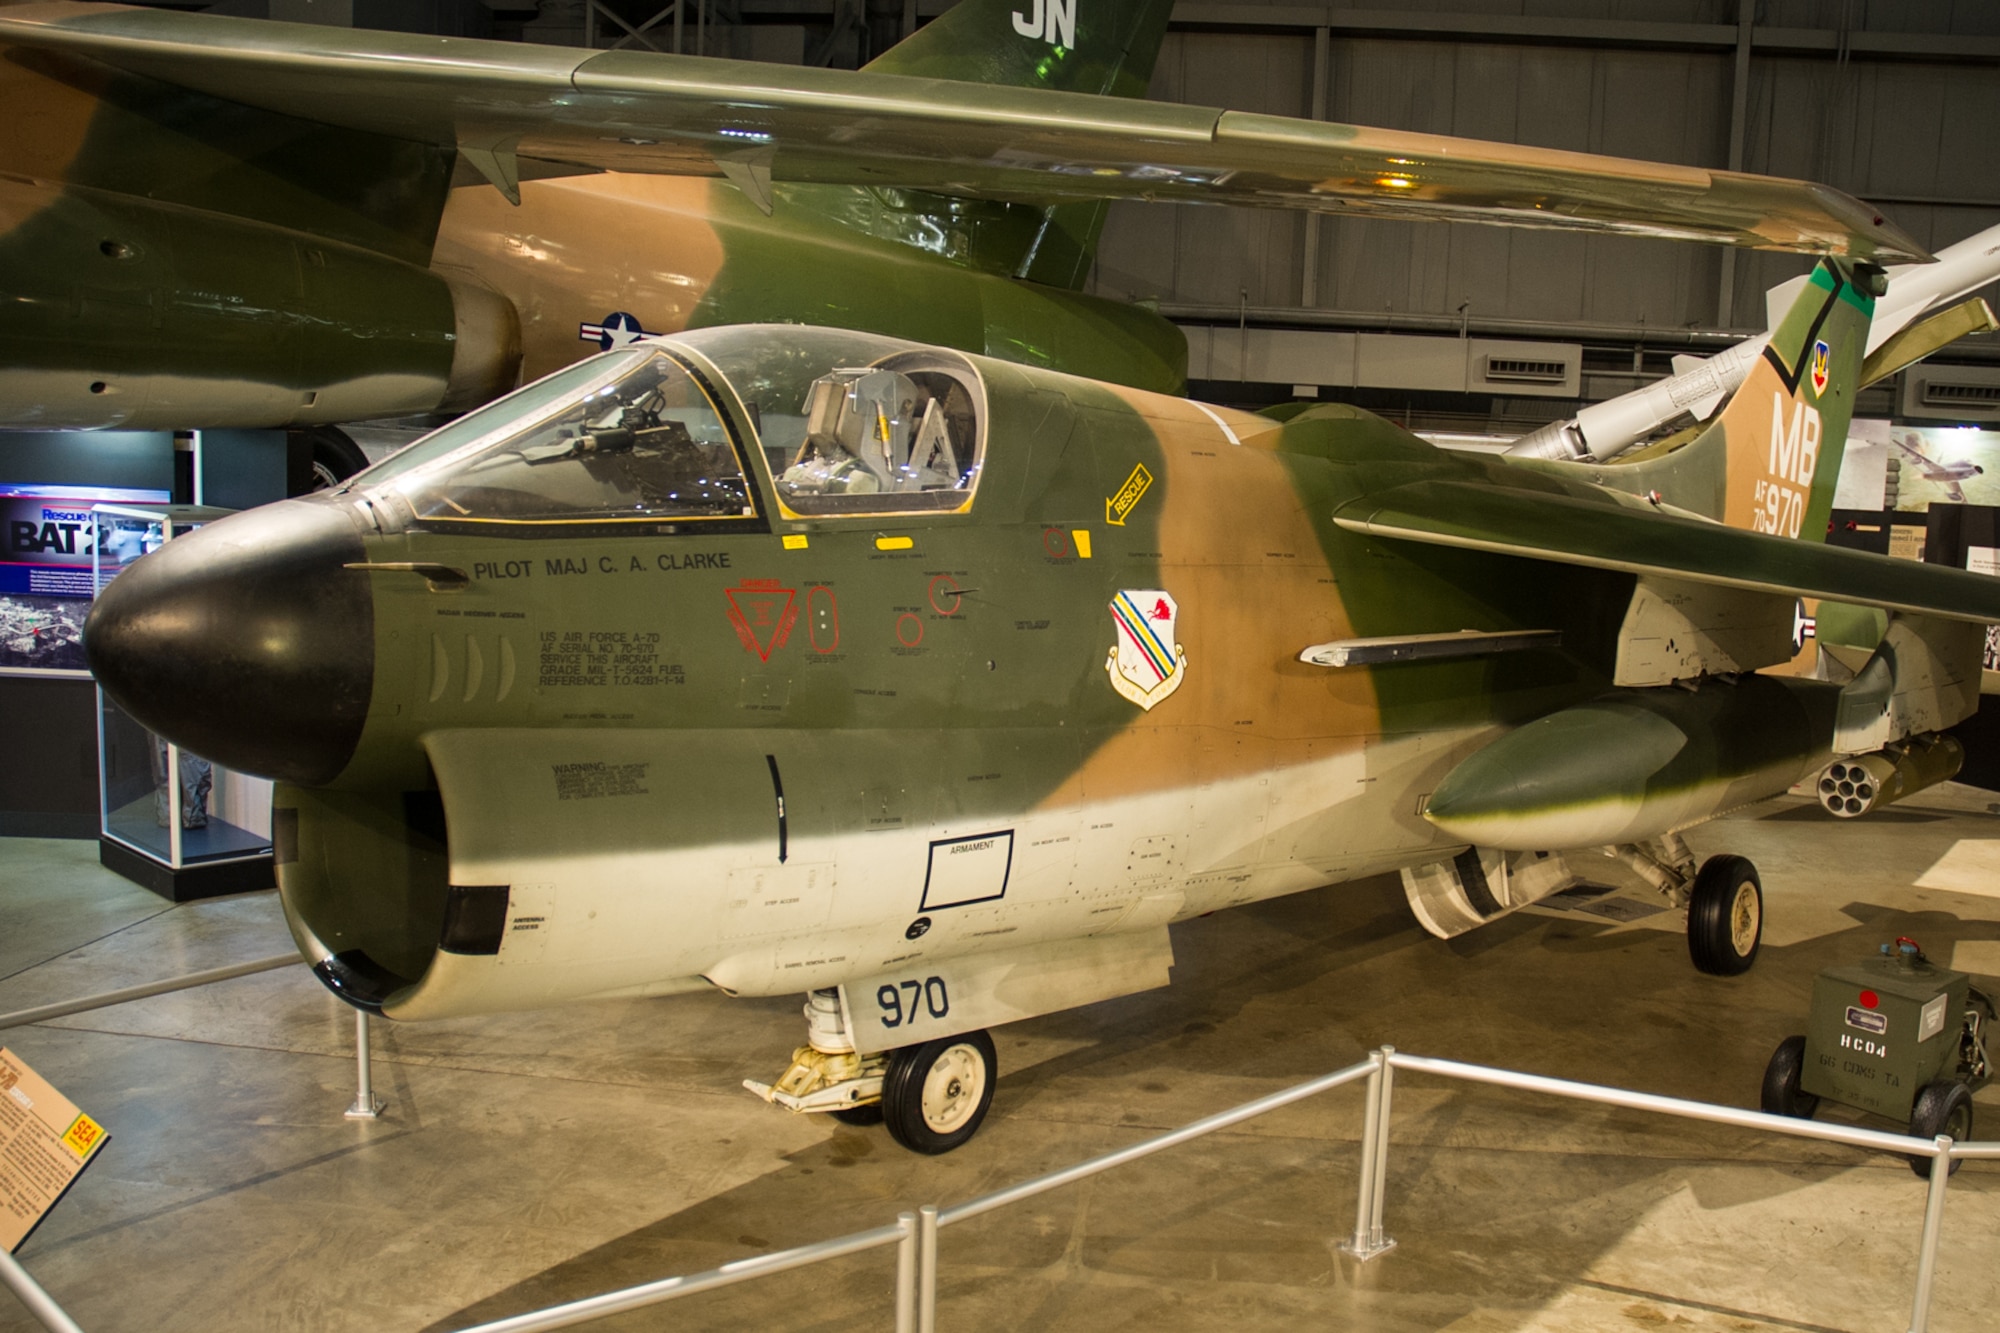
{"x":932,"y":1096}
{"x":826,"y":1074}
{"x":1724,"y":900}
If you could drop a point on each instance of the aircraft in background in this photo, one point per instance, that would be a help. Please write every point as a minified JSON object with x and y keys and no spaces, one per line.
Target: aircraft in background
{"x":1922,"y":311}
{"x":210,"y":222}
{"x":1952,"y":476}
{"x":775,"y":660}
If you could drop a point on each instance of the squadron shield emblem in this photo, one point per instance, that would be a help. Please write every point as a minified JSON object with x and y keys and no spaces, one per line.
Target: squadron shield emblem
{"x":1821,"y":356}
{"x":1145,"y":664}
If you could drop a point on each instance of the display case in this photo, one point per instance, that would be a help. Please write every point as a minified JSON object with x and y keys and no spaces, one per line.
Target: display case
{"x":171,"y":820}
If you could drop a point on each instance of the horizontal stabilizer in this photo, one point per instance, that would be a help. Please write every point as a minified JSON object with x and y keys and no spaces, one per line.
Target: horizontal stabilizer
{"x":1607,"y":534}
{"x":650,"y":112}
{"x":1914,"y":342}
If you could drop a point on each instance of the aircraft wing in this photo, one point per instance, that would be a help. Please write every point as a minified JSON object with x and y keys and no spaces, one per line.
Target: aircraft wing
{"x":1611,"y":534}
{"x":505,"y":104}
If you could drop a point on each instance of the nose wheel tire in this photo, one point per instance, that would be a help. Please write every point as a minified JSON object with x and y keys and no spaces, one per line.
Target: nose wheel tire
{"x":1781,"y":1094}
{"x":1725,"y":916}
{"x":935,"y":1095}
{"x":1943,"y":1107}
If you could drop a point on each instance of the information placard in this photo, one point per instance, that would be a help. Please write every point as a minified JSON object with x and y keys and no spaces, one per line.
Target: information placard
{"x":45,"y":1142}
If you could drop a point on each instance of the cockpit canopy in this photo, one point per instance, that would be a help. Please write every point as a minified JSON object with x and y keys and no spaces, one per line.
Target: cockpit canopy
{"x":874,"y":431}
{"x":848,"y":423}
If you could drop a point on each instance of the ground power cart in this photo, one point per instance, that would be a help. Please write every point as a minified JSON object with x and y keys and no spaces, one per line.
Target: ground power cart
{"x":1896,"y":1035}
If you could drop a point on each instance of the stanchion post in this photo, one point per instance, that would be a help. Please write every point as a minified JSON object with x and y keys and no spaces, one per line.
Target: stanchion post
{"x":1377,"y":1242}
{"x":906,"y":1274}
{"x":1920,"y":1304}
{"x":367,"y":1106}
{"x":927,"y":1264}
{"x":1367,"y":1242}
{"x":1364,"y":1189}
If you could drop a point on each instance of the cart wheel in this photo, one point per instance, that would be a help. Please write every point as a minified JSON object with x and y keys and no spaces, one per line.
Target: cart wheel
{"x":1781,"y":1081}
{"x":1725,"y":916}
{"x":1943,"y":1107}
{"x":935,"y":1095}
{"x":871,"y":1114}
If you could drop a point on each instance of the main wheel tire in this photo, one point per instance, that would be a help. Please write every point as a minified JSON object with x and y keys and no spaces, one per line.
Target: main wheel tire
{"x":1781,"y":1082}
{"x":1725,"y":916}
{"x":870,"y":1114}
{"x":1943,"y":1107}
{"x":335,"y":457}
{"x":936,"y":1094}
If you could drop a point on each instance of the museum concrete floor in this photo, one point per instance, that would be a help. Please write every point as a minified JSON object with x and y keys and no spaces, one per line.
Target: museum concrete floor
{"x":533,"y":1158}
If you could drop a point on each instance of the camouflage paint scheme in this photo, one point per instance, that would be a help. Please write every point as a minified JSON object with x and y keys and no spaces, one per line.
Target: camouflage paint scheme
{"x":1797,"y":401}
{"x":999,"y":713}
{"x":942,"y":677}
{"x":219,"y":222}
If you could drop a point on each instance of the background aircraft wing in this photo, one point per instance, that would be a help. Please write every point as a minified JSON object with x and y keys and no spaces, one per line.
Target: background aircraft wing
{"x":1612,"y":534}
{"x":508,"y":107}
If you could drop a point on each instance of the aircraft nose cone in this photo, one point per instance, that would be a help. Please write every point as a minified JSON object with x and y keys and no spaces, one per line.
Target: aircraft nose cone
{"x":246,"y":642}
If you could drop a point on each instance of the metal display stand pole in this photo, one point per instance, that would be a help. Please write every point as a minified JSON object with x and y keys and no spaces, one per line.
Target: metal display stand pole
{"x":1368,"y":1242}
{"x":39,"y":1302}
{"x":927,"y":1264}
{"x":906,"y":1274}
{"x":1920,"y":1306}
{"x":367,"y":1106}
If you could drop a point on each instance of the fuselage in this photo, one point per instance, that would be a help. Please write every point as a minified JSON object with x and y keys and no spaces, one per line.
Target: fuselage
{"x":176,"y":262}
{"x":757,"y":750}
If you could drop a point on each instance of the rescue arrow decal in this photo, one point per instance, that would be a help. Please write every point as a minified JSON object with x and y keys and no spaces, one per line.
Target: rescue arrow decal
{"x":1128,"y":497}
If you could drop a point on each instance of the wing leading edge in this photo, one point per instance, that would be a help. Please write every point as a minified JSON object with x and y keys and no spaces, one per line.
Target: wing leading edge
{"x":506,"y":104}
{"x":1607,"y":534}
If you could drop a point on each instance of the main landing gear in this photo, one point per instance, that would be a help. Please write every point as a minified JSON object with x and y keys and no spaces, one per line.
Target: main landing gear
{"x":1724,"y":901}
{"x":931,"y":1097}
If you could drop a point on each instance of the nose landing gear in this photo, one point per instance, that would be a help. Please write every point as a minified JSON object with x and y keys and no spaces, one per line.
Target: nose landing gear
{"x":932,"y":1096}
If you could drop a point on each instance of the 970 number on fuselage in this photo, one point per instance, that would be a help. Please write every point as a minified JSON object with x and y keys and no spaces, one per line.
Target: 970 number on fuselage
{"x":926,"y":996}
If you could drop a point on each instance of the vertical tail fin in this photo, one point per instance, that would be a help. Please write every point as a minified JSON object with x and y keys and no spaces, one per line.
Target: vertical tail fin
{"x":1105,"y":47}
{"x":1783,"y":432}
{"x":1769,"y":462}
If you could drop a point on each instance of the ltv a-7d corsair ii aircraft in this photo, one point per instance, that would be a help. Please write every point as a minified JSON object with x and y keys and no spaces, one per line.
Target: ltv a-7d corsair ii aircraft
{"x":934,"y":687}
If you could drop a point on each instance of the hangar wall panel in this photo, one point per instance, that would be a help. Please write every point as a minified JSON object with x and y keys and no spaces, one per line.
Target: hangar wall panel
{"x":1919,"y":135}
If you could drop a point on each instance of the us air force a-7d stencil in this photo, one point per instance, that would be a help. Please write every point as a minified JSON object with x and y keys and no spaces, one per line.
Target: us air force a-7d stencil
{"x":830,"y":675}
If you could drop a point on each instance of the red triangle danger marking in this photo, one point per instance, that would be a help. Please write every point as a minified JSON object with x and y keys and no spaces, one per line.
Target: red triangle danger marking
{"x":762,"y":612}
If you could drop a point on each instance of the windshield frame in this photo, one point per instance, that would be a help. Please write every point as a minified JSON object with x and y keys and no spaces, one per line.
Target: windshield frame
{"x":400,"y":481}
